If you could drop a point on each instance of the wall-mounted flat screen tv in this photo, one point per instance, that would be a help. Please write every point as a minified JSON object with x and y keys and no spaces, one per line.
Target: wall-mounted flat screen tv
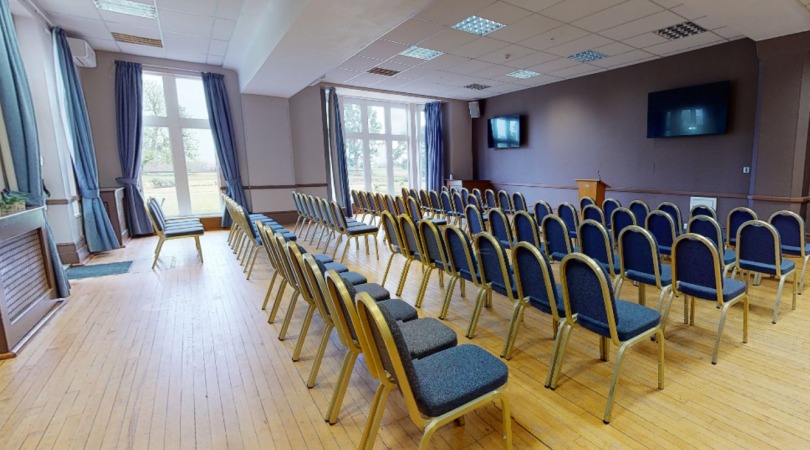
{"x":504,"y":132}
{"x":689,"y":111}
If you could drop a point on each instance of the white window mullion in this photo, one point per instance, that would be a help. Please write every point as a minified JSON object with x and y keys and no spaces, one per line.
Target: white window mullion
{"x":176,"y":139}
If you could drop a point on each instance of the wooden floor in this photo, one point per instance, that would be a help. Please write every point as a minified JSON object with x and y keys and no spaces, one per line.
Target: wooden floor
{"x":182,"y":357}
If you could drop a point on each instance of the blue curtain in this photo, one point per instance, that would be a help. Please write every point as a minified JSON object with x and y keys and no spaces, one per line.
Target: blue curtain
{"x":128,"y":115}
{"x":21,"y":127}
{"x":340,"y":148}
{"x":219,"y":114}
{"x":434,"y":145}
{"x":97,"y":227}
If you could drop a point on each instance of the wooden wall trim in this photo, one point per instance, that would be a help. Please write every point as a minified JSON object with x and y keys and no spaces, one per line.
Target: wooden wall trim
{"x":62,"y":201}
{"x":280,"y":186}
{"x":73,"y":252}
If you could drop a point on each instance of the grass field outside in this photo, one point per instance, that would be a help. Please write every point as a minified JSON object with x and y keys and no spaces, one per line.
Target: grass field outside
{"x":203,"y":189}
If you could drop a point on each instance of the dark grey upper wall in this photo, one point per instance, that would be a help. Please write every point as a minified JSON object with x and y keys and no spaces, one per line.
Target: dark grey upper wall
{"x":596,"y":125}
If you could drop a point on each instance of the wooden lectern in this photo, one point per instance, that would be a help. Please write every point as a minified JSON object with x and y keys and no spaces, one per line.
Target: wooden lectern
{"x":592,"y":188}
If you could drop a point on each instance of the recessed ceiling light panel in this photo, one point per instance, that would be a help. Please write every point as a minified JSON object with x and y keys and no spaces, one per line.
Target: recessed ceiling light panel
{"x":477,"y":87}
{"x":383,"y":72}
{"x":421,"y":53}
{"x":128,"y":7}
{"x":522,"y":74}
{"x":680,"y":30}
{"x":478,"y":26}
{"x":587,"y":56}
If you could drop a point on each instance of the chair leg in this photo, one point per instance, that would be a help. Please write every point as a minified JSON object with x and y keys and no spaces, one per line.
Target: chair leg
{"x":269,"y":290}
{"x":447,"y":296}
{"x":604,"y":349}
{"x":616,"y":372}
{"x":779,"y":296}
{"x":340,"y":387}
{"x":804,"y":272}
{"x":376,"y":248}
{"x":316,"y":364}
{"x":288,"y":318}
{"x":423,"y":287}
{"x":554,"y":370}
{"x":387,"y":268}
{"x":479,"y":303}
{"x":375,"y":416}
{"x":720,"y":329}
{"x":642,"y":294}
{"x":404,"y":276}
{"x":793,"y":306}
{"x":302,"y":335}
{"x":277,"y":301}
{"x":199,"y":249}
{"x":157,"y":252}
{"x":346,"y":248}
{"x":506,"y":412}
{"x":514,"y":324}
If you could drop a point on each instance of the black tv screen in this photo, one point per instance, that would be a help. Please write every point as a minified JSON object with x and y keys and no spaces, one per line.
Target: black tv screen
{"x":504,"y":132}
{"x":689,"y":111}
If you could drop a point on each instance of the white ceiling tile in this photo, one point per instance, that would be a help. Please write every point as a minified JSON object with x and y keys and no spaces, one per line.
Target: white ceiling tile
{"x":359,"y":64}
{"x":687,"y":12}
{"x":534,"y":5}
{"x":553,"y":66}
{"x":727,"y":32}
{"x":495,"y":72}
{"x":406,"y":60}
{"x":643,"y":25}
{"x":617,"y":15}
{"x":579,"y":45}
{"x":201,"y":7}
{"x":393,"y":83}
{"x":504,"y":13}
{"x":366,"y":79}
{"x":79,"y":26}
{"x":443,"y":62}
{"x":645,"y":40}
{"x":413,"y":31}
{"x":616,"y":48}
{"x":531,"y":60}
{"x":223,"y":29}
{"x":579,"y":71}
{"x":682,"y":44}
{"x":525,"y":28}
{"x":135,"y":21}
{"x":214,"y":60}
{"x":185,"y":23}
{"x":184,"y":44}
{"x":448,"y":40}
{"x":143,"y":50}
{"x":669,"y":3}
{"x":557,"y":36}
{"x":339,"y":76}
{"x":571,"y":10}
{"x":418,"y":72}
{"x":504,"y":55}
{"x":709,"y":23}
{"x":103,"y":44}
{"x":229,"y":9}
{"x":392,"y":66}
{"x":450,"y":12}
{"x":479,"y":47}
{"x":217,"y":47}
{"x":470,"y":67}
{"x":382,"y":50}
{"x":624,"y":58}
{"x":75,"y":8}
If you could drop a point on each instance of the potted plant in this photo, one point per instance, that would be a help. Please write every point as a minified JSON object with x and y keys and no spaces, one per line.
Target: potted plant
{"x":14,"y":201}
{"x":6,"y":207}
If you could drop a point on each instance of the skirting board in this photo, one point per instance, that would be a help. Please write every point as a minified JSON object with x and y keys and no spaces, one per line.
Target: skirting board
{"x":73,"y":253}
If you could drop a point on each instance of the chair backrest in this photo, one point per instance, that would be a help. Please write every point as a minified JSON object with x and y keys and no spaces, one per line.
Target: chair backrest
{"x":674,"y":212}
{"x":317,"y":286}
{"x":433,"y":243}
{"x":491,"y":200}
{"x":504,"y":201}
{"x":494,"y":264}
{"x":464,"y":193}
{"x":412,"y":193}
{"x":588,"y":294}
{"x":696,"y":267}
{"x":460,"y":252}
{"x":619,"y":220}
{"x":525,"y":228}
{"x":640,"y":210}
{"x":702,"y":210}
{"x":424,"y":199}
{"x":458,"y":203}
{"x":371,"y":203}
{"x":585,"y":201}
{"x":473,"y":200}
{"x":392,"y":231}
{"x":638,"y":252}
{"x":284,"y":261}
{"x":758,"y":241}
{"x":594,"y":241}
{"x":296,"y":261}
{"x":413,"y":210}
{"x":477,"y":193}
{"x":330,"y":219}
{"x":593,"y":212}
{"x":391,"y":204}
{"x":661,"y":226}
{"x":568,"y":214}
{"x":474,"y":220}
{"x":357,"y":202}
{"x":791,"y":231}
{"x":266,"y":233}
{"x":155,"y":218}
{"x":435,"y":201}
{"x":541,"y":210}
{"x":344,"y":313}
{"x":707,"y":227}
{"x":447,"y":204}
{"x":412,"y":246}
{"x":315,"y":208}
{"x":338,"y":217}
{"x":610,"y":205}
{"x":534,"y":277}
{"x":556,"y":237}
{"x":400,"y":203}
{"x":499,"y":225}
{"x":735,"y":218}
{"x":518,"y":201}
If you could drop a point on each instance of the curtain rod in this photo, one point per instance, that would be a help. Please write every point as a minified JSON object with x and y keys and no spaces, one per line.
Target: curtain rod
{"x":176,"y":69}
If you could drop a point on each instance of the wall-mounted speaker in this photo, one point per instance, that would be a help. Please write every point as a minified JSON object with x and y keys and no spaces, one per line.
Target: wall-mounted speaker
{"x":475,"y":110}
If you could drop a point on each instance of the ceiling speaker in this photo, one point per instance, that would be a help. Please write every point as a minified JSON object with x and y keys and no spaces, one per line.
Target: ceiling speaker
{"x":475,"y":110}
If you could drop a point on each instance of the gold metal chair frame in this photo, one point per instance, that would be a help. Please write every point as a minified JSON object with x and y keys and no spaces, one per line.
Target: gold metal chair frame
{"x":804,"y":257}
{"x":485,"y":288}
{"x":726,"y":268}
{"x":426,"y":226}
{"x":667,"y":292}
{"x":526,"y":216}
{"x":692,"y":212}
{"x":614,"y":228}
{"x":751,"y":214}
{"x":679,"y":224}
{"x":454,"y":272}
{"x":546,"y":241}
{"x":405,"y":247}
{"x":613,"y":271}
{"x":162,"y":238}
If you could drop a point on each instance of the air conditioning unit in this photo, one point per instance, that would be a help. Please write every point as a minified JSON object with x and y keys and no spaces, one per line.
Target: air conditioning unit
{"x":83,"y":54}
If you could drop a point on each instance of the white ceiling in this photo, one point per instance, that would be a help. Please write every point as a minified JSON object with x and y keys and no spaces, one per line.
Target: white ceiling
{"x":281,"y":46}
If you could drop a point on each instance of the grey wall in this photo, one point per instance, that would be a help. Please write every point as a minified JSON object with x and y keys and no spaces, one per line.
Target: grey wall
{"x":306,"y":117}
{"x":596,"y":126}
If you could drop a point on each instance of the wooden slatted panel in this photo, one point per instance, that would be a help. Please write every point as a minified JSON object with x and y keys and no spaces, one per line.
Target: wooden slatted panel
{"x":23,"y":274}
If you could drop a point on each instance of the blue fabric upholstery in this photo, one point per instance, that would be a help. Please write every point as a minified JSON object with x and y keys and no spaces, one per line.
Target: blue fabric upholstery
{"x":731,"y":289}
{"x":735,"y":219}
{"x":456,"y":247}
{"x":499,"y":224}
{"x":608,"y":207}
{"x":436,"y":249}
{"x":400,"y":310}
{"x":592,"y":242}
{"x":675,"y":213}
{"x":789,"y":233}
{"x":703,"y":210}
{"x":569,"y":218}
{"x":640,"y":212}
{"x":427,"y":336}
{"x":708,"y":229}
{"x":183,"y":232}
{"x":362,"y":229}
{"x":757,"y":251}
{"x":352,"y":278}
{"x":518,"y":202}
{"x":795,"y":251}
{"x":526,"y":229}
{"x":556,"y":237}
{"x":620,"y":220}
{"x":505,"y":202}
{"x":640,"y":259}
{"x":377,"y":292}
{"x":409,"y":233}
{"x":593,"y":212}
{"x":533,"y":283}
{"x":489,"y":259}
{"x":649,"y":277}
{"x":696,"y":273}
{"x":663,"y":230}
{"x":541,"y":210}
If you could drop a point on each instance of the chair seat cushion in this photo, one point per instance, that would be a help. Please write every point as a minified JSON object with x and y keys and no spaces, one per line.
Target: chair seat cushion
{"x":177,"y":232}
{"x":439,"y":222}
{"x":456,"y":376}
{"x":634,"y":319}
{"x":543,"y":305}
{"x":400,"y":310}
{"x":323,"y":258}
{"x":769,"y":269}
{"x":648,"y":278}
{"x":337,"y":267}
{"x":731,"y":289}
{"x":363,"y":229}
{"x":665,"y":250}
{"x":795,"y":251}
{"x":427,"y":336}
{"x":377,"y":292}
{"x":464,"y":273}
{"x":353,"y":278}
{"x":729,"y":256}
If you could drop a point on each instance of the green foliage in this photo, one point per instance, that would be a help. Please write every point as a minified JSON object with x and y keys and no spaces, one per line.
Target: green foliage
{"x":155,"y":141}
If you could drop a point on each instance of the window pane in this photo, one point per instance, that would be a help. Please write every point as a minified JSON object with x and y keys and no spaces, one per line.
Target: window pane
{"x":355,"y":164}
{"x":399,"y":122}
{"x":379,"y":171}
{"x":400,"y":157}
{"x":352,"y":118}
{"x":201,"y":166}
{"x":191,"y":98}
{"x":157,"y":176}
{"x":376,"y":119}
{"x":154,"y":101}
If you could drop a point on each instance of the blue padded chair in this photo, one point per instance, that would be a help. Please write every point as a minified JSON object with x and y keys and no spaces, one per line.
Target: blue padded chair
{"x":556,"y":238}
{"x":500,"y":227}
{"x":588,"y":294}
{"x":490,"y":200}
{"x":619,"y":220}
{"x":593,"y":212}
{"x":400,"y":204}
{"x":640,"y":210}
{"x":424,"y":202}
{"x":496,"y":275}
{"x":353,"y":231}
{"x":395,"y":241}
{"x":791,"y":234}
{"x":585,"y":201}
{"x":707,"y":227}
{"x":480,"y":197}
{"x":438,"y":388}
{"x":374,"y":208}
{"x":435,"y":256}
{"x":569,"y":215}
{"x":535,"y":287}
{"x":391,"y":204}
{"x":505,"y":202}
{"x":541,"y":210}
{"x":595,"y":242}
{"x":608,"y":206}
{"x":519,"y":202}
{"x":464,"y":193}
{"x":458,"y":208}
{"x":435,"y":204}
{"x":674,"y":212}
{"x":640,"y":262}
{"x":759,"y":251}
{"x":416,"y":213}
{"x":448,"y":211}
{"x":411,"y":247}
{"x":661,"y":225}
{"x":735,"y":218}
{"x":696,"y":274}
{"x":462,"y":262}
{"x":702,"y":210}
{"x":526,"y":229}
{"x":473,"y":200}
{"x":475,"y":220}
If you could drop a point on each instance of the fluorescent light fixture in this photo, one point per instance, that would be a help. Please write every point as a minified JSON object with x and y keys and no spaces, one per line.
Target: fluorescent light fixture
{"x":128,"y":7}
{"x":680,"y":30}
{"x":478,"y":26}
{"x":421,"y":53}
{"x":522,"y":74}
{"x":587,"y":56}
